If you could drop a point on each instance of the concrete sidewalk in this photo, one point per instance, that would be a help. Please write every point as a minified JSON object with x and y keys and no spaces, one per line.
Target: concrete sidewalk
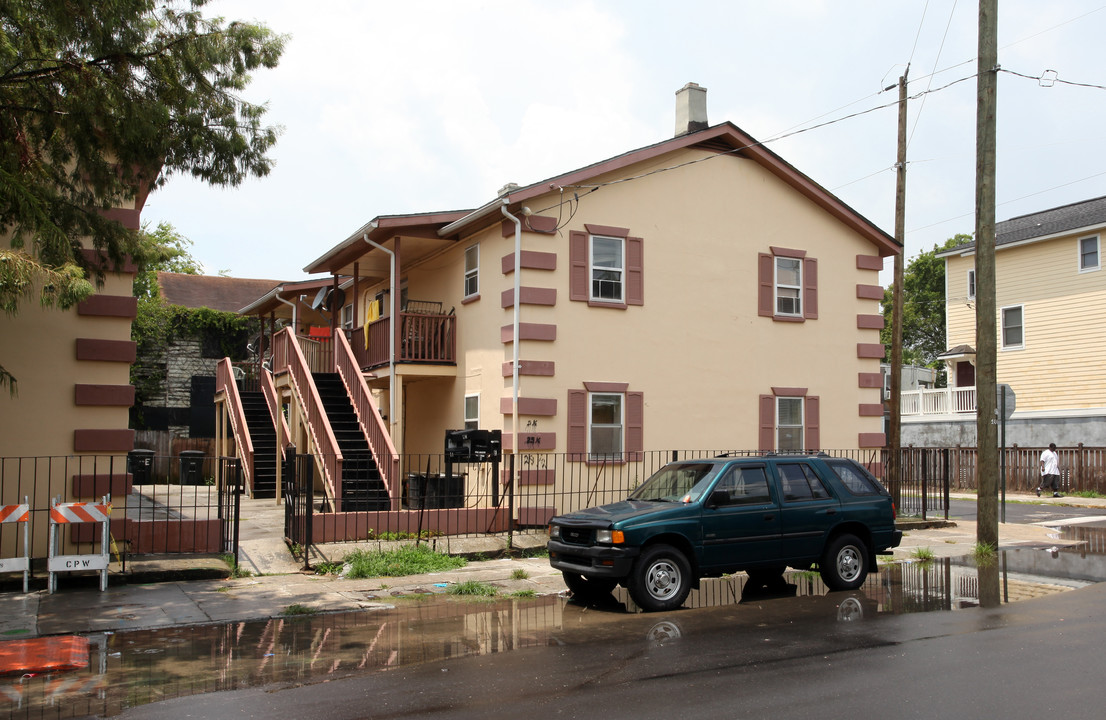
{"x":283,"y":584}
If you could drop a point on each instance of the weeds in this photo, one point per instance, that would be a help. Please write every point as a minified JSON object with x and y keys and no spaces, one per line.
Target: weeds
{"x":236,"y":570}
{"x":297,"y":609}
{"x":923,"y":554}
{"x":522,"y":594}
{"x":406,"y":560}
{"x":473,"y":588}
{"x":520,"y":574}
{"x":984,"y":553}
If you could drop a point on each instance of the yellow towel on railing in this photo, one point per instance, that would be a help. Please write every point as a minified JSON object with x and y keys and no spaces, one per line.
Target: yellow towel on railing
{"x":372,"y":314}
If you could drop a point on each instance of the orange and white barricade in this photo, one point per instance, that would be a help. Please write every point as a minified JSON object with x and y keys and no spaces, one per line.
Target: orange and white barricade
{"x":65,"y":514}
{"x":18,"y":514}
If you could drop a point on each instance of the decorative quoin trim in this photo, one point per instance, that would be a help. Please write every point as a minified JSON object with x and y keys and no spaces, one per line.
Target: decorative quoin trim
{"x":103,"y":395}
{"x":529,"y":406}
{"x":119,"y":306}
{"x":870,"y":350}
{"x":545,"y":368}
{"x":106,"y":350}
{"x":870,"y":410}
{"x":103,"y":441}
{"x":869,"y":292}
{"x":871,"y":440}
{"x":869,"y":262}
{"x":869,"y":380}
{"x":534,"y":223}
{"x":869,"y":322}
{"x":528,"y":331}
{"x":531,"y":260}
{"x":530,"y":296}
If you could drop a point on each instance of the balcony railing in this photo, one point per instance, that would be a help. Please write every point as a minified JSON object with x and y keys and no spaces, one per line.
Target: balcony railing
{"x":942,"y":401}
{"x":423,"y":338}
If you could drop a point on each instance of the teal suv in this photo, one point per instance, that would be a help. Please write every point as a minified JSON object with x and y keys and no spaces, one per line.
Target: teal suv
{"x":706,"y":518}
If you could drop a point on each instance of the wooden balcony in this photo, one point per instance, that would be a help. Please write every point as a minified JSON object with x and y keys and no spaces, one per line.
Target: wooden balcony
{"x":942,"y":401}
{"x":429,"y":339}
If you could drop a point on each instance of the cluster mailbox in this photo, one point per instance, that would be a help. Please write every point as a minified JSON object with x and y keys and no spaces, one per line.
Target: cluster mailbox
{"x":473,"y":446}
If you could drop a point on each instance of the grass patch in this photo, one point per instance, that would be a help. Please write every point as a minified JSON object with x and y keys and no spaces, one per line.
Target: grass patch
{"x":522,"y":594}
{"x":1085,"y":494}
{"x":297,"y":609}
{"x":473,"y":588}
{"x":397,"y":562}
{"x":236,"y":570}
{"x":923,"y":554}
{"x":520,"y":574}
{"x":535,"y":552}
{"x":984,"y":553}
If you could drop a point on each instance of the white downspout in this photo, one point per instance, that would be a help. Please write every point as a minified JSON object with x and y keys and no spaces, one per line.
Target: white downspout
{"x":391,"y":341}
{"x":516,"y":440}
{"x":295,"y":310}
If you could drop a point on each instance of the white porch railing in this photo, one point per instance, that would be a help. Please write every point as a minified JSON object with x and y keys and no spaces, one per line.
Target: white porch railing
{"x":943,"y":401}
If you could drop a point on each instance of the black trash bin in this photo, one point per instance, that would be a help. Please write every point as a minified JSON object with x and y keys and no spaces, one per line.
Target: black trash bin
{"x":191,"y":467}
{"x":140,"y":464}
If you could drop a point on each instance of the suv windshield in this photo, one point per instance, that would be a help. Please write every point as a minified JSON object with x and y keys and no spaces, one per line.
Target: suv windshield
{"x":678,"y":482}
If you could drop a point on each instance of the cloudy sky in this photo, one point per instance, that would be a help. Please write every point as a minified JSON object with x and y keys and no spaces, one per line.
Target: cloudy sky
{"x":426,"y":105}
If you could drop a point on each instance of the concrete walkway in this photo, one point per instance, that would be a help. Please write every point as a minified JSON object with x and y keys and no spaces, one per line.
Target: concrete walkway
{"x":277,"y":582}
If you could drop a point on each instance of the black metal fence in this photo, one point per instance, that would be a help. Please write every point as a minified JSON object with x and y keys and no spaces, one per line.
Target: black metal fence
{"x":197,"y":514}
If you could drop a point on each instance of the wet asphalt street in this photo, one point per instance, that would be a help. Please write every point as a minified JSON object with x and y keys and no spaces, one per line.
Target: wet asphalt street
{"x":780,"y":658}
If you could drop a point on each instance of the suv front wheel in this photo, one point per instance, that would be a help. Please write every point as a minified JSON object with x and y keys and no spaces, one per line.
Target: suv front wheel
{"x":844,"y":565}
{"x":660,"y":579}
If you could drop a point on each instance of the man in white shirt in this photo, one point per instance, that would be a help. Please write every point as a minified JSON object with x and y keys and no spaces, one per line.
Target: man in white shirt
{"x":1050,"y":471}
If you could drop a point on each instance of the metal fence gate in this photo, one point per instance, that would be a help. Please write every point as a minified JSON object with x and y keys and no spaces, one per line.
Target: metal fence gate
{"x":299,"y":500}
{"x":230,"y":503}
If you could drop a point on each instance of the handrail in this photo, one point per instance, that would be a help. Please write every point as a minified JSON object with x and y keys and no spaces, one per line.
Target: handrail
{"x":287,"y":357}
{"x":376,"y":432}
{"x":940,"y":401}
{"x":224,"y":382}
{"x":268,"y":389}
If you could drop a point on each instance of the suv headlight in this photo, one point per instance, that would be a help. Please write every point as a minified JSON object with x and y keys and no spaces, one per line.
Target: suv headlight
{"x":610,"y":537}
{"x":554,"y":532}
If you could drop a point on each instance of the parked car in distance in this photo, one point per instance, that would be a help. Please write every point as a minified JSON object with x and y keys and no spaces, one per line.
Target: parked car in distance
{"x":708,"y":517}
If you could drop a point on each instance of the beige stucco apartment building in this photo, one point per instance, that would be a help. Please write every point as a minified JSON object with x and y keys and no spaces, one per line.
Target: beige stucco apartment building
{"x":1051,"y":319}
{"x":699,"y":293}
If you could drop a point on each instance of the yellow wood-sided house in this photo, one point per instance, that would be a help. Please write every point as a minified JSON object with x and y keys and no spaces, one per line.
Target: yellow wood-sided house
{"x":1051,"y":318}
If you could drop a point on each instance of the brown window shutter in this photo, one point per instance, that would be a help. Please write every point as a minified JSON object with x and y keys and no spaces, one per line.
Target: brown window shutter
{"x":578,"y":266}
{"x":635,"y":433}
{"x":766,"y":294}
{"x":810,"y":288}
{"x":812,"y":437}
{"x":577,"y":423}
{"x":635,"y":272}
{"x":767,"y":439}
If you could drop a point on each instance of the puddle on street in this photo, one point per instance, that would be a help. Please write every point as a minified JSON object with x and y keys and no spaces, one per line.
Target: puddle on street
{"x":128,"y":669}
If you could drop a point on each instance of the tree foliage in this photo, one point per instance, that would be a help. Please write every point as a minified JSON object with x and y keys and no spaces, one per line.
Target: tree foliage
{"x":102,"y":101}
{"x":923,"y":315}
{"x":164,"y":250}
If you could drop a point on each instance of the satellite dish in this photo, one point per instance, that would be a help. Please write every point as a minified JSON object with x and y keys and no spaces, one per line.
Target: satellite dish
{"x":336,"y":299}
{"x":319,"y":298}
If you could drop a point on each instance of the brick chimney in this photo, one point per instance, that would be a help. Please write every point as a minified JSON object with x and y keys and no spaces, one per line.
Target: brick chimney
{"x":691,"y":109}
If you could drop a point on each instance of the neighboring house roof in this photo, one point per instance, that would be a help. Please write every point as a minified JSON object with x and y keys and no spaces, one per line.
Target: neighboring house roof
{"x":1063,"y":220}
{"x":211,"y":291}
{"x":957,"y":351}
{"x":722,"y":139}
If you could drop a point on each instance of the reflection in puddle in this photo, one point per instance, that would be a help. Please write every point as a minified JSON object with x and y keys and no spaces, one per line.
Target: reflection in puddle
{"x":134,"y":668}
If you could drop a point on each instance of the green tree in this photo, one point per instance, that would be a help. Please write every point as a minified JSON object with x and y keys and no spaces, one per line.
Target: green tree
{"x":923,"y":313}
{"x":163,"y":249}
{"x":101,"y":101}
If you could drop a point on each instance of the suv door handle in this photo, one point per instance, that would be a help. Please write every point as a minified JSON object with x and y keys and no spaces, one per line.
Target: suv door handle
{"x":769,"y":518}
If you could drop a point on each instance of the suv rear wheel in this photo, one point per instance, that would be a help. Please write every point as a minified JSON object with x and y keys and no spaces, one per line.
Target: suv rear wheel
{"x":660,"y":579}
{"x":844,"y":565}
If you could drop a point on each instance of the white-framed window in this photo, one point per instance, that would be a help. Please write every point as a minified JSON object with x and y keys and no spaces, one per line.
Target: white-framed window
{"x":608,"y":268}
{"x":971,"y":284}
{"x":605,"y":424}
{"x":347,"y":316}
{"x":472,"y":271}
{"x":1088,"y":254}
{"x":1013,"y":328}
{"x":789,"y":423}
{"x":472,"y":411}
{"x":789,"y":286}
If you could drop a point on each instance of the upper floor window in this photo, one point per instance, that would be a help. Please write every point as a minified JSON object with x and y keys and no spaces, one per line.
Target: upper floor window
{"x":788,"y":281}
{"x":607,"y":268}
{"x":789,"y":286}
{"x":1013,"y":328}
{"x":347,"y":316}
{"x":472,"y":412}
{"x":971,"y":284}
{"x":472,"y":271}
{"x":1088,"y":253}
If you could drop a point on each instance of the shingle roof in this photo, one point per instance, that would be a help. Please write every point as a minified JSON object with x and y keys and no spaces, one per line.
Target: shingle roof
{"x":1050,"y":222}
{"x":1053,"y":221}
{"x":211,"y":291}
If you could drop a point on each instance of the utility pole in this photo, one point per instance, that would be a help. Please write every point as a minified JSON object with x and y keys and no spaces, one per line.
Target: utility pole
{"x":894,"y":463}
{"x":986,"y":374}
